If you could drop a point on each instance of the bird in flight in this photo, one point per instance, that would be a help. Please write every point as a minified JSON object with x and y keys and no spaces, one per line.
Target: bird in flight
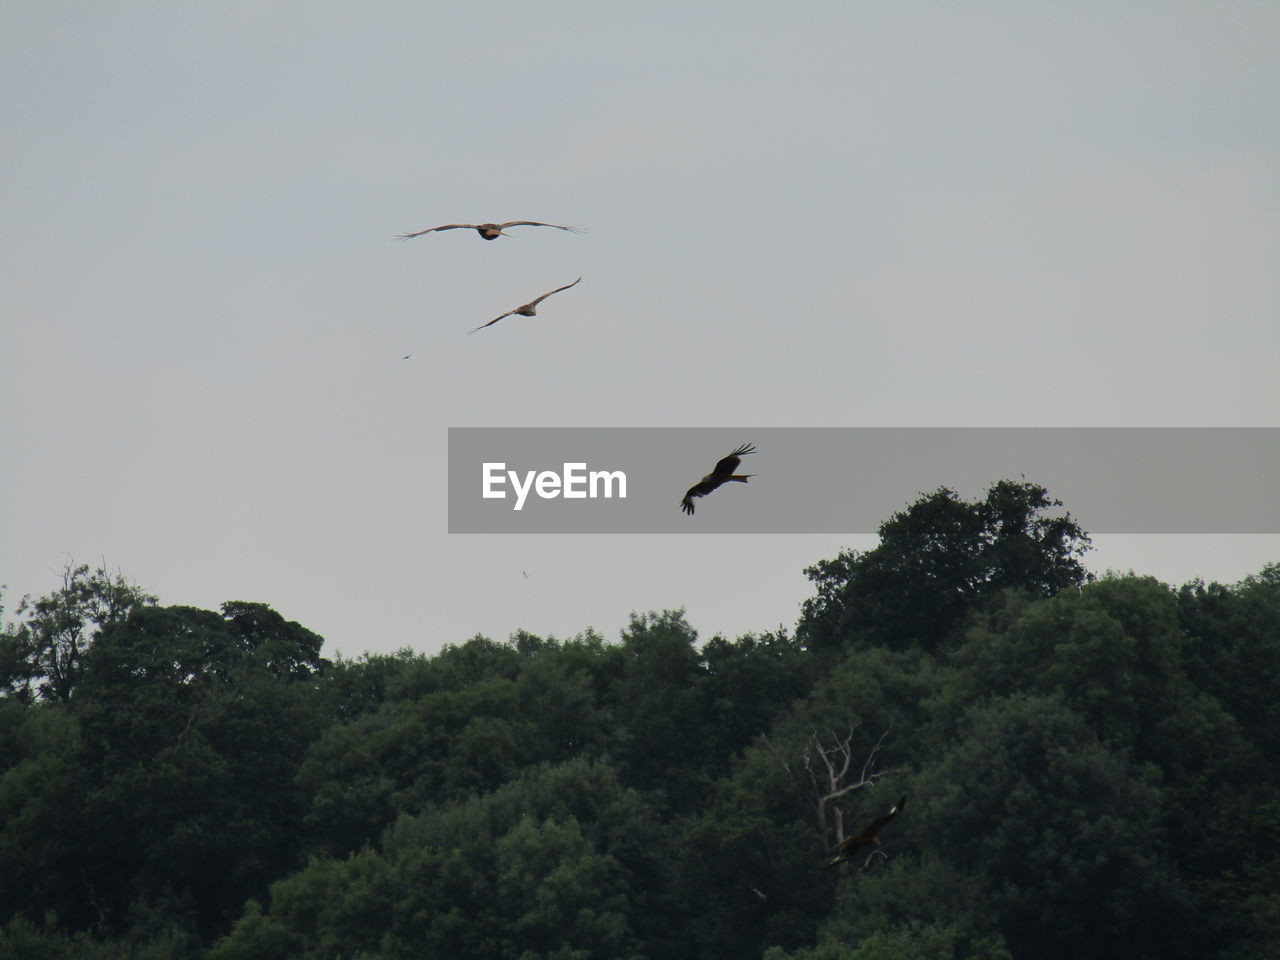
{"x":529,"y":309}
{"x":490,"y":231}
{"x":869,"y":837}
{"x":723,"y":473}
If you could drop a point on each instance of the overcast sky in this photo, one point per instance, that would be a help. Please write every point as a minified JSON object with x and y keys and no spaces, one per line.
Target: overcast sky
{"x":814,"y":214}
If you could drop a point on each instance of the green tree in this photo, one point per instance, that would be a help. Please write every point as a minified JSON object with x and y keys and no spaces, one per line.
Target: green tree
{"x":440,"y":747}
{"x":43,"y":655}
{"x":42,"y":827}
{"x":193,"y":725}
{"x":939,"y":559}
{"x":747,"y":684}
{"x":545,"y":866}
{"x":1064,"y":834}
{"x":650,"y":683}
{"x":910,"y":941}
{"x":1234,"y":645}
{"x":751,"y":855}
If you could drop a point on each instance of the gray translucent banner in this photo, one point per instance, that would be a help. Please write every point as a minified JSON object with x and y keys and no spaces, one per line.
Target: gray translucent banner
{"x":850,"y":480}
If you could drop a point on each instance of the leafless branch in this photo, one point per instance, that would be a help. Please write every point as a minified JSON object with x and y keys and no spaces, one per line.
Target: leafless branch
{"x":876,"y":852}
{"x":785,"y":766}
{"x":837,"y":760}
{"x":827,"y":767}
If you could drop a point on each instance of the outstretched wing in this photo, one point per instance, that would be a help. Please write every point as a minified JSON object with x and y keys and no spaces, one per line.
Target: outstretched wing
{"x":539,"y":223}
{"x":534,"y":303}
{"x":699,"y":489}
{"x":851,"y":844}
{"x":447,"y":226}
{"x":878,"y":824}
{"x":495,"y":320}
{"x":724,"y":469}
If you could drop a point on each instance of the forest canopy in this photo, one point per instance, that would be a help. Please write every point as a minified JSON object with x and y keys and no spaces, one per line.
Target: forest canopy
{"x":1092,"y":767}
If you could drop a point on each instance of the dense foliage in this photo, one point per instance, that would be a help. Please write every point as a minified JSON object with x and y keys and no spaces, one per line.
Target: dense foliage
{"x":1092,"y":766}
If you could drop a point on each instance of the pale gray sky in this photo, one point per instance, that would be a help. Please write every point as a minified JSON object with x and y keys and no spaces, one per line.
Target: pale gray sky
{"x":823,"y":214}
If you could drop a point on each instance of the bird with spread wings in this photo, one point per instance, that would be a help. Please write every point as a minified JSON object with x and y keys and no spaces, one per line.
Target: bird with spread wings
{"x":530,"y":309}
{"x":870,"y":835}
{"x":722,"y":473}
{"x":490,"y":231}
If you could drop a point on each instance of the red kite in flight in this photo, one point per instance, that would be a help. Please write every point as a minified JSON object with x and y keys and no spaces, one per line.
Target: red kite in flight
{"x":869,"y":837}
{"x":529,"y":309}
{"x":723,"y":473}
{"x":490,"y":231}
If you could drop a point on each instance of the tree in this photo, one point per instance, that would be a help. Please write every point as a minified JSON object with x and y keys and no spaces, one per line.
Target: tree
{"x":547,"y":865}
{"x":193,"y":725}
{"x":440,"y":747}
{"x":747,"y":685}
{"x":939,"y":559}
{"x":1063,"y":834}
{"x":44,"y":654}
{"x":650,"y":683}
{"x":831,"y":770}
{"x":1233,"y":646}
{"x":42,"y":827}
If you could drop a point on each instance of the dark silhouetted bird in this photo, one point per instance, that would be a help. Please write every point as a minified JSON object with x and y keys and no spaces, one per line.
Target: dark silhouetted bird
{"x":723,"y":473}
{"x":529,"y":309}
{"x":490,"y":231}
{"x":869,"y":837}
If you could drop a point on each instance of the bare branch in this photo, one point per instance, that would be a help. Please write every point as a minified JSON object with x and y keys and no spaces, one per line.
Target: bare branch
{"x":785,"y":766}
{"x":876,"y":852}
{"x":871,"y":757}
{"x":827,"y":768}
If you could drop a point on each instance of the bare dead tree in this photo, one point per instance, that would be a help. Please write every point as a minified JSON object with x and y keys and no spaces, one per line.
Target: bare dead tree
{"x":830,"y":770}
{"x":834,"y":770}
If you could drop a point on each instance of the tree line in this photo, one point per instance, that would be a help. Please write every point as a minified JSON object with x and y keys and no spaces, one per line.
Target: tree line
{"x":1093,"y":768}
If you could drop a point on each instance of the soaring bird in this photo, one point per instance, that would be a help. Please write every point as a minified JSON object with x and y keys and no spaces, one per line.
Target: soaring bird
{"x":529,"y":309}
{"x":869,"y":837}
{"x":490,"y":231}
{"x":723,"y":473}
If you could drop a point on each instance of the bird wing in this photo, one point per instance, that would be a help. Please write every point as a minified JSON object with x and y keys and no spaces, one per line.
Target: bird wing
{"x":539,"y":223}
{"x":724,"y":469}
{"x":878,"y":824}
{"x":849,"y":845}
{"x":534,"y":303}
{"x":447,"y":226}
{"x":495,"y":320}
{"x":699,"y":489}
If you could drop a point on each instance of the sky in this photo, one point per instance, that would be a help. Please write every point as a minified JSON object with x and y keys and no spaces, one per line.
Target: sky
{"x":818,"y":214}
